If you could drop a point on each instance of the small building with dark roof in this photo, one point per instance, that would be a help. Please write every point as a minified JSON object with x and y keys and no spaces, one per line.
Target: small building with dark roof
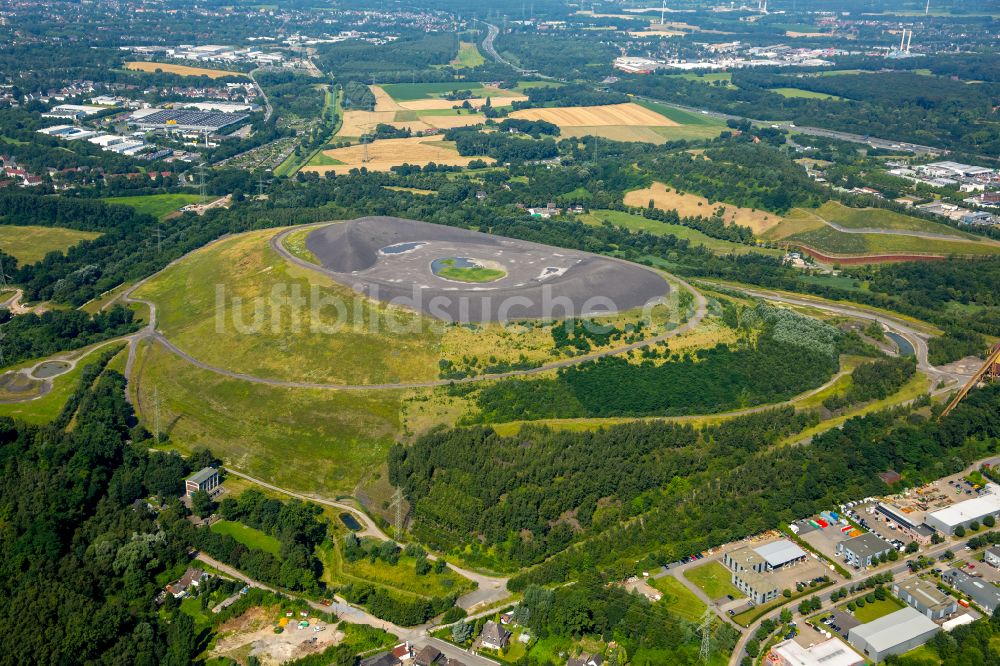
{"x":862,"y":550}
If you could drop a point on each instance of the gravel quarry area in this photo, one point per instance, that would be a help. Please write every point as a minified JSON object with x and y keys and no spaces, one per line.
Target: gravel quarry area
{"x":390,"y":259}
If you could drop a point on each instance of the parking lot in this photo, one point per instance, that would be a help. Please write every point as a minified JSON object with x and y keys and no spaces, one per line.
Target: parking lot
{"x":824,"y":540}
{"x":786,"y":577}
{"x":874,"y":522}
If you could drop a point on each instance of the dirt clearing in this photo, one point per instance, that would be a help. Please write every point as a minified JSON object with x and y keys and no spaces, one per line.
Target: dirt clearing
{"x":393,"y":152}
{"x":253,"y":634}
{"x":689,"y":205}
{"x":629,"y":114}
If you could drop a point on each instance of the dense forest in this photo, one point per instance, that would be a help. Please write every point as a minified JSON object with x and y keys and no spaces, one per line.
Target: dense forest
{"x":297,"y":526}
{"x":31,"y":336}
{"x":769,"y":486}
{"x":685,"y":484}
{"x":643,"y":632}
{"x":790,"y":354}
{"x":413,"y":54}
{"x":500,"y":488}
{"x":77,"y":558}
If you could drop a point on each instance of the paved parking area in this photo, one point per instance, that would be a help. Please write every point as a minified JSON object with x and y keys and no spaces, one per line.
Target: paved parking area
{"x":825,"y":540}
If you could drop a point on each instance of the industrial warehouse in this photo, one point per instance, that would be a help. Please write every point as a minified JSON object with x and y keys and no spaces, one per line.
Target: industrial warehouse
{"x":894,"y":633}
{"x":185,"y":120}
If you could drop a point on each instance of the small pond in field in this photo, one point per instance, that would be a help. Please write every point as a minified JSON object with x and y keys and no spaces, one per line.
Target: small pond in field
{"x":905,"y":348}
{"x":50,"y":369}
{"x":350,"y":522}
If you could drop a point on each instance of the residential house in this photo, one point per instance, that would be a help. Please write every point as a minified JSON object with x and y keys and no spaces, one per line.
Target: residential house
{"x":494,"y":636}
{"x":381,"y":659}
{"x":427,"y":656}
{"x":586,"y":659}
{"x":191,"y":577}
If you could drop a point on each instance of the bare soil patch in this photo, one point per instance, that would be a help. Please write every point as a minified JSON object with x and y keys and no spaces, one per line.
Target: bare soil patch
{"x":387,"y":153}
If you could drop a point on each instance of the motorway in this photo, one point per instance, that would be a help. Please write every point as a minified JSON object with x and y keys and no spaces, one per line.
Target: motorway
{"x":491,"y":34}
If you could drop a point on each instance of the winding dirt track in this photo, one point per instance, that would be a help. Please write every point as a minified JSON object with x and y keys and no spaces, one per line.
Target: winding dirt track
{"x":151,"y":333}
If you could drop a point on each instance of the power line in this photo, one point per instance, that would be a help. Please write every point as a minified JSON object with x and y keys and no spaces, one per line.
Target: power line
{"x":706,"y":635}
{"x":397,"y":502}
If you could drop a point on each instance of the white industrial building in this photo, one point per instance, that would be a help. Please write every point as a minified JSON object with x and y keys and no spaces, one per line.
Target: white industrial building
{"x":67,"y":132}
{"x":768,"y":557}
{"x":954,"y":169}
{"x":963,"y":513}
{"x":833,"y":652}
{"x":75,"y":111}
{"x":895,"y":633}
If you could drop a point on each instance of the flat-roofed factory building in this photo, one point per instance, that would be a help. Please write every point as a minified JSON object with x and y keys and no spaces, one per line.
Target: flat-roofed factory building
{"x":184,"y":120}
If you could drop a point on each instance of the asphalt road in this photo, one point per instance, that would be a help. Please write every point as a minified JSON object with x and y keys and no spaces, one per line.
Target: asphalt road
{"x":491,"y":34}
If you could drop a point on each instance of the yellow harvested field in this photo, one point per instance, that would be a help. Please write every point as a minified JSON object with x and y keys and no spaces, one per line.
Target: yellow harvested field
{"x":387,"y":153}
{"x":505,"y":99}
{"x":182,"y":70}
{"x":629,"y":114}
{"x":359,"y":123}
{"x":689,"y":205}
{"x":448,"y":122}
{"x":383,"y":101}
{"x":793,"y":33}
